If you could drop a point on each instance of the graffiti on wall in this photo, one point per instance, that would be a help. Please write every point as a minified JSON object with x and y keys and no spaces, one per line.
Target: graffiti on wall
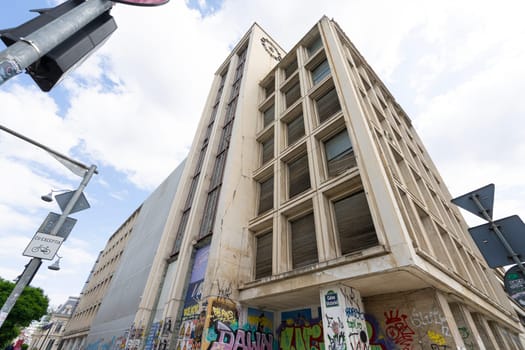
{"x":299,"y":331}
{"x":398,"y":330}
{"x":430,"y":318}
{"x":116,"y":343}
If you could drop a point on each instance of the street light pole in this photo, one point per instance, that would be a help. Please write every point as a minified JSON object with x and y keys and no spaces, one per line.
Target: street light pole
{"x":34,"y":264}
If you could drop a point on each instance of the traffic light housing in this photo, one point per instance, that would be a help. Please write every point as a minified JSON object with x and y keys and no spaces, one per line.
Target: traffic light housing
{"x":53,"y":66}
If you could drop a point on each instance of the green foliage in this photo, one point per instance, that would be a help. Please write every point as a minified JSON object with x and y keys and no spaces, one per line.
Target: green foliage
{"x":31,"y":305}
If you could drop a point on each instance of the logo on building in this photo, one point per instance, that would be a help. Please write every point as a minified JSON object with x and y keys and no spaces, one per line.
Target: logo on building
{"x":330,"y":299}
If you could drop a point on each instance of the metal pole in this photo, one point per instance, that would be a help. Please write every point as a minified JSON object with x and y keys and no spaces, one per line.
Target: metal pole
{"x":498,"y":233}
{"x":31,"y":48}
{"x":45,"y":148}
{"x":34,"y":264}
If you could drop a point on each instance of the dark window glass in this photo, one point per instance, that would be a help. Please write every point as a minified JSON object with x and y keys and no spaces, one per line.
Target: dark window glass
{"x":299,"y":177}
{"x":321,"y":71}
{"x":339,"y":153}
{"x":295,"y":129}
{"x":266,"y":195}
{"x":209,"y":212}
{"x":267,"y":149}
{"x":354,"y":223}
{"x":263,"y":257}
{"x":327,"y":105}
{"x":269,"y":116}
{"x":314,"y":46}
{"x":292,"y":67}
{"x":191,"y":193}
{"x":293,"y":94}
{"x":180,"y":231}
{"x":218,"y":170}
{"x":270,"y":88}
{"x":304,"y":243}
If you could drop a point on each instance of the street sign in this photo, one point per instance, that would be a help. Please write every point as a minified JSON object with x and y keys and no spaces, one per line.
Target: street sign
{"x":50,"y":222}
{"x":142,"y":2}
{"x":515,"y":284}
{"x":64,"y":198}
{"x":496,"y":254}
{"x":485,"y":196}
{"x":43,"y":246}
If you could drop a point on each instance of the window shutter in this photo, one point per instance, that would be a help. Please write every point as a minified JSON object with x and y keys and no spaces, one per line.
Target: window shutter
{"x":295,"y":130}
{"x":304,"y":243}
{"x":339,"y":154}
{"x":321,"y":71}
{"x":263,"y":256}
{"x":269,"y":116}
{"x":354,"y":223}
{"x":299,"y":178}
{"x":266,"y":195}
{"x":267,"y":147}
{"x":327,"y":105}
{"x":293,"y":94}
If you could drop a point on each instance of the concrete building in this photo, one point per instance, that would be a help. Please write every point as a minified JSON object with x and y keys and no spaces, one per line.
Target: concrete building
{"x":308,"y":215}
{"x":112,"y":313}
{"x":96,"y":286}
{"x":49,"y":335}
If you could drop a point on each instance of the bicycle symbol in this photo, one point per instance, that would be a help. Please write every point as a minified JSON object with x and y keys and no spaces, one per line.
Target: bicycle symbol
{"x":41,"y":248}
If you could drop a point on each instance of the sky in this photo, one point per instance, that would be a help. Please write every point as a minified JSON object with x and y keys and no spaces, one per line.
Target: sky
{"x":456,"y":68}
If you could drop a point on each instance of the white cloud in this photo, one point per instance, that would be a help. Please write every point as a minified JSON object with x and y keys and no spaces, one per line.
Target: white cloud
{"x":456,"y":67}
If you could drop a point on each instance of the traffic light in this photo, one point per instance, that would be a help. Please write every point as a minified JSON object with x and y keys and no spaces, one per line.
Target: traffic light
{"x":53,"y":66}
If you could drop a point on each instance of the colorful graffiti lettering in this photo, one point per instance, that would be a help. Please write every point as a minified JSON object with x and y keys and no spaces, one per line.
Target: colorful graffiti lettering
{"x":228,"y":339}
{"x":436,"y":338}
{"x":225,"y":316}
{"x":377,"y":338}
{"x":398,"y":330}
{"x":355,"y":313}
{"x":301,"y":334}
{"x":432,"y":317}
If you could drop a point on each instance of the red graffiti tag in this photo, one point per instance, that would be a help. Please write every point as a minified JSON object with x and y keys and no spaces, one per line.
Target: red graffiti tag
{"x":398,"y":329}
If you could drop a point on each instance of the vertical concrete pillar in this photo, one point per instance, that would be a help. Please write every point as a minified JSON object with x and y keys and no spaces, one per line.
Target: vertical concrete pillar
{"x":343,"y":314}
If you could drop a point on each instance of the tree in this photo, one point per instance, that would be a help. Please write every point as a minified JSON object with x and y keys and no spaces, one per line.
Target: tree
{"x":31,"y":305}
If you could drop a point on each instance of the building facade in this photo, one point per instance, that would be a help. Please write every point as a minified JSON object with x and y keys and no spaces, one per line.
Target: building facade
{"x":49,"y":335}
{"x":96,"y":286}
{"x":309,"y":215}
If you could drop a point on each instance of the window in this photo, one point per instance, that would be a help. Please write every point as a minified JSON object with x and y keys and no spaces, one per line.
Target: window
{"x":354,"y":223}
{"x":314,"y":46}
{"x":290,"y":69}
{"x":267,"y":150}
{"x":263,"y":256}
{"x":298,"y":176}
{"x":265,"y":195}
{"x":339,"y":154}
{"x":304,"y":243}
{"x":295,"y":129}
{"x":292,"y":94}
{"x":327,"y":105}
{"x":320,"y":71}
{"x":269,"y":116}
{"x":270,"y":88}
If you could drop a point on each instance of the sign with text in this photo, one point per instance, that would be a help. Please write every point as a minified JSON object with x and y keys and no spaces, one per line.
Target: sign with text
{"x":43,"y":246}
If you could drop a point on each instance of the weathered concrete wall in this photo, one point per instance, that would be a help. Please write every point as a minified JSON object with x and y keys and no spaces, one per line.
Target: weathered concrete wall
{"x":408,"y":321}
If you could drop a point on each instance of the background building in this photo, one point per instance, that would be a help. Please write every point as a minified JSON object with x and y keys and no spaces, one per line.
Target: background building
{"x":96,"y":286}
{"x":114,"y":322}
{"x":49,"y":335}
{"x":308,"y":215}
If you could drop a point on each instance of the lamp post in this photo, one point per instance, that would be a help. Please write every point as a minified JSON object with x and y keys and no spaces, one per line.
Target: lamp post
{"x":34,"y":264}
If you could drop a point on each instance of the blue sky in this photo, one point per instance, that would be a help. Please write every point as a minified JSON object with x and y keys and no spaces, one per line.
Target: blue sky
{"x":132,"y":108}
